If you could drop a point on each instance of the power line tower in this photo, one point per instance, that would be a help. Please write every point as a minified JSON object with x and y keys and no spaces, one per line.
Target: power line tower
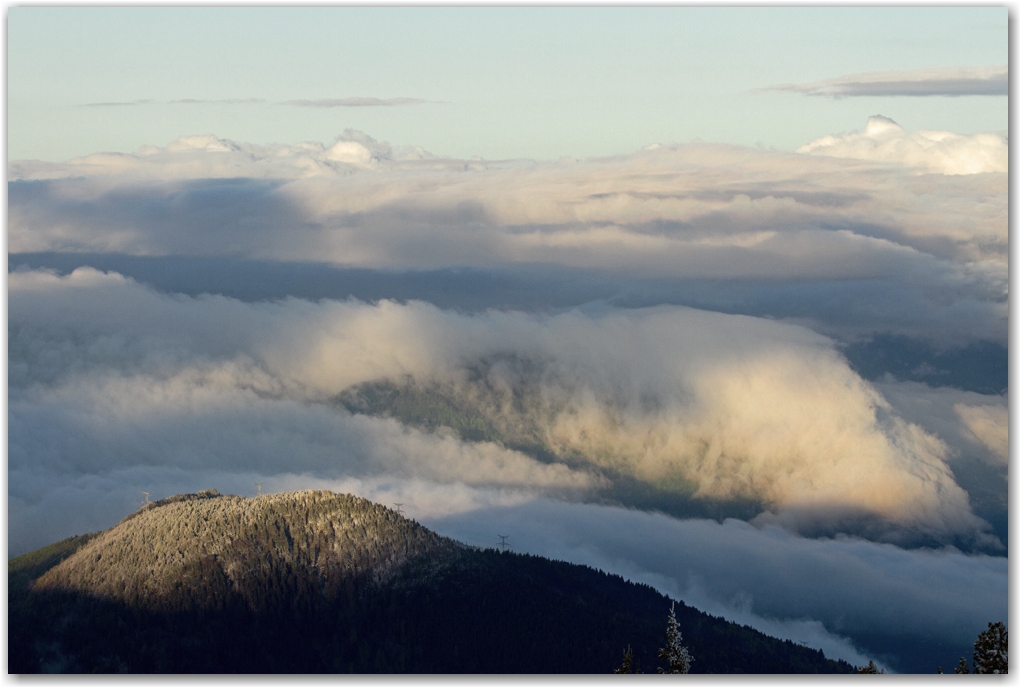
{"x":400,"y":509}
{"x":258,"y":488}
{"x":502,"y":541}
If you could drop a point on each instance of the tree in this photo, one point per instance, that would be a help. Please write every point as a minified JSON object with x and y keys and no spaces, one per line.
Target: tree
{"x":871,"y":668}
{"x":628,"y":662}
{"x":991,"y":650}
{"x":675,"y":654}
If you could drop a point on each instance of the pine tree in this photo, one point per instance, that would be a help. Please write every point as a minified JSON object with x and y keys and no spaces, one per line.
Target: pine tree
{"x":628,"y":661}
{"x":675,"y":654}
{"x":871,"y":668}
{"x":961,"y":667}
{"x":991,"y":650}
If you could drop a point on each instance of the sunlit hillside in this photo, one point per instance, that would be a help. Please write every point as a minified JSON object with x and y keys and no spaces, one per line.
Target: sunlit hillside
{"x":320,"y":582}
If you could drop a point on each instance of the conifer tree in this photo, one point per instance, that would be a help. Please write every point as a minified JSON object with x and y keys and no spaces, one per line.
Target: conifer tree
{"x":628,"y":661}
{"x":675,"y":654}
{"x":991,"y":650}
{"x":871,"y":668}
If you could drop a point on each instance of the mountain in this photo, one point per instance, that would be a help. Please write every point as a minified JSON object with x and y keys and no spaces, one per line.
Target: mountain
{"x":317,"y":582}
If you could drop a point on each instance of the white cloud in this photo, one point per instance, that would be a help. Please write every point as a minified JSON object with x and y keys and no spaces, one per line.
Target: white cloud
{"x":942,"y":152}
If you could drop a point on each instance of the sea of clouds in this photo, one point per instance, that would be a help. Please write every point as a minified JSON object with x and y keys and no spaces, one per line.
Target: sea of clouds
{"x":117,"y":386}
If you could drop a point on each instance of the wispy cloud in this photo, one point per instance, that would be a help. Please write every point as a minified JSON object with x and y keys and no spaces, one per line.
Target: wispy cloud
{"x":223,"y":101}
{"x":355,"y":102}
{"x":320,"y":102}
{"x":952,"y":82}
{"x":125,"y":103}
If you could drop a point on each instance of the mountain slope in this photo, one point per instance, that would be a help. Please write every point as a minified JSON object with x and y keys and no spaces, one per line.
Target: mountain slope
{"x":320,"y":582}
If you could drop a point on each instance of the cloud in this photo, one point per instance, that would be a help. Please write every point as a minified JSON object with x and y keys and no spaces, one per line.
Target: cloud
{"x":942,"y":152}
{"x":127,"y":103}
{"x":951,"y":82}
{"x":561,"y":285}
{"x":321,"y":102}
{"x":773,"y":580}
{"x":920,"y":254}
{"x":217,"y":101}
{"x":975,"y":425}
{"x":722,"y":407}
{"x":989,"y":425}
{"x":355,"y":102}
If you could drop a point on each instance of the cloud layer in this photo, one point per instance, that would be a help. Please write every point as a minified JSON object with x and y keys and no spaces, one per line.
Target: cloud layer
{"x":769,"y":579}
{"x":936,"y":242}
{"x":951,"y":82}
{"x":721,"y":407}
{"x":320,"y":102}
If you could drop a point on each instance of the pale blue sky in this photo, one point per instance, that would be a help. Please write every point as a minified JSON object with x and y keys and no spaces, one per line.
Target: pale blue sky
{"x":503,"y":82}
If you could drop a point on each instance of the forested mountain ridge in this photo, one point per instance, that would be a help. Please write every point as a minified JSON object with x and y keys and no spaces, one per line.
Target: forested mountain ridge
{"x":196,"y":550}
{"x":320,"y":582}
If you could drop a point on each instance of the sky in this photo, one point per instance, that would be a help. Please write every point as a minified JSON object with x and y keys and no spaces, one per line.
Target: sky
{"x":725,"y":289}
{"x":519,"y":82}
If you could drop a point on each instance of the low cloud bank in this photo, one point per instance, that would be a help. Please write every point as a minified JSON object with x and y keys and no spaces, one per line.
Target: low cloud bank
{"x":771,"y":579}
{"x":105,"y":373}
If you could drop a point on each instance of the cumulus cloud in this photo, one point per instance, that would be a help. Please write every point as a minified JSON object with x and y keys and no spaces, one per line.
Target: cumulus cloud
{"x":951,"y":82}
{"x":942,"y":152}
{"x":723,"y":407}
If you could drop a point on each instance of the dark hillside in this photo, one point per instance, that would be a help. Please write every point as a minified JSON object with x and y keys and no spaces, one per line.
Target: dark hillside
{"x":315,"y":582}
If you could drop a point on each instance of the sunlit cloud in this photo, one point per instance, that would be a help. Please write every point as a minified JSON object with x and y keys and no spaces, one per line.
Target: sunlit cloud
{"x":723,"y":407}
{"x":941,"y":152}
